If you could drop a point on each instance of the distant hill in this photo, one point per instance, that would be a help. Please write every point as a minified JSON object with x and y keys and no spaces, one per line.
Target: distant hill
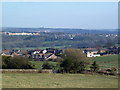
{"x":65,"y":30}
{"x":58,"y":38}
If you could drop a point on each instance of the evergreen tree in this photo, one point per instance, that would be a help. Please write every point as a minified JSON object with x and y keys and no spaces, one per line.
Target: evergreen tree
{"x":94,"y":67}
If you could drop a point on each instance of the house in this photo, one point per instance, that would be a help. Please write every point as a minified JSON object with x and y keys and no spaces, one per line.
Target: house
{"x":93,"y":54}
{"x":111,"y":50}
{"x":50,"y":56}
{"x":38,"y":57}
{"x":114,"y":50}
{"x":44,"y":51}
{"x":6,"y":53}
{"x":42,"y":57}
{"x":39,"y":51}
{"x":13,"y":53}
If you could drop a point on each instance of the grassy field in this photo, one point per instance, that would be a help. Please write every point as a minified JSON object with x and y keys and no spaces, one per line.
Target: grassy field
{"x":38,"y":64}
{"x":38,"y":80}
{"x":42,"y":80}
{"x":103,"y":61}
{"x":106,"y":61}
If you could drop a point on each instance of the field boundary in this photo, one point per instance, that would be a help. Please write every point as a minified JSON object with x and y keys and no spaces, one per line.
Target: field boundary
{"x":26,"y":70}
{"x":51,"y":71}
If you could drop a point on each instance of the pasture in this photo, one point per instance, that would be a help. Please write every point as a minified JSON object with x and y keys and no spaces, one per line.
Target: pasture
{"x":103,"y":61}
{"x":38,"y":64}
{"x":42,"y":80}
{"x":45,"y":80}
{"x":108,"y":61}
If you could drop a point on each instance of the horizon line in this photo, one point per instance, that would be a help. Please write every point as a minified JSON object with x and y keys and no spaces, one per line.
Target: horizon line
{"x":64,"y":28}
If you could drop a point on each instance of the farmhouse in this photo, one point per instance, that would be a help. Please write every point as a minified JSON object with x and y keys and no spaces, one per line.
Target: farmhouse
{"x":93,"y":54}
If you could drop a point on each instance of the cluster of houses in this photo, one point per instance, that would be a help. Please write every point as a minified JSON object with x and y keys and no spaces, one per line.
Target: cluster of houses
{"x":51,"y":54}
{"x":93,"y":52}
{"x":36,"y":55}
{"x":41,"y":55}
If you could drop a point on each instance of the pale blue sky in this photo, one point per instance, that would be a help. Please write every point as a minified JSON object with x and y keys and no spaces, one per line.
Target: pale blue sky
{"x":86,"y":15}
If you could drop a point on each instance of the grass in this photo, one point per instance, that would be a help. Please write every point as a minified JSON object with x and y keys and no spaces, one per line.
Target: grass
{"x":32,"y":80}
{"x":38,"y":64}
{"x":42,"y":80}
{"x":106,"y":58}
{"x":103,"y":61}
{"x":106,"y":61}
{"x":0,"y":80}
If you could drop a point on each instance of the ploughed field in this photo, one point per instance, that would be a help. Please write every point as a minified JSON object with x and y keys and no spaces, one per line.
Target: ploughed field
{"x":42,"y":80}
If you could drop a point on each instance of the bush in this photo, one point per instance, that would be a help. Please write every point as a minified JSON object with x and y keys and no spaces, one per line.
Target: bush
{"x":74,"y":61}
{"x":58,"y":59}
{"x":54,"y":66}
{"x":6,"y":62}
{"x":16,"y":62}
{"x":112,"y":70}
{"x":94,"y":67}
{"x":47,"y":65}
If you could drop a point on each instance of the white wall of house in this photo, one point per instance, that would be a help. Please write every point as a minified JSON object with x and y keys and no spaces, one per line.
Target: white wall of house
{"x":44,"y":51}
{"x":93,"y":54}
{"x":36,"y":52}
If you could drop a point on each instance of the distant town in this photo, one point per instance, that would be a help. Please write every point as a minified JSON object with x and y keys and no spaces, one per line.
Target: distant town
{"x":36,"y":33}
{"x":23,"y":33}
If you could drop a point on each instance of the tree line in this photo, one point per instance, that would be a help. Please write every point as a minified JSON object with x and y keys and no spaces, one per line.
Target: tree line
{"x":57,"y":39}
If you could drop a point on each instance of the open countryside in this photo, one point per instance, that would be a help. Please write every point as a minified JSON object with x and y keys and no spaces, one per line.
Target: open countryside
{"x":107,"y":61}
{"x":104,"y":62}
{"x":31,"y":80}
{"x":23,"y":80}
{"x":59,"y":45}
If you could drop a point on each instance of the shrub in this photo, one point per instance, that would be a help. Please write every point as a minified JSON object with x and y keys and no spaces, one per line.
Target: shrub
{"x":94,"y":67}
{"x":74,"y":61}
{"x":47,"y":65}
{"x":16,"y":62}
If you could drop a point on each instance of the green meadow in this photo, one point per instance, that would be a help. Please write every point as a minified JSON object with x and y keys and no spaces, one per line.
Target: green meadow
{"x":42,"y":80}
{"x":106,"y":61}
{"x":38,"y":64}
{"x":45,"y":80}
{"x":103,"y":61}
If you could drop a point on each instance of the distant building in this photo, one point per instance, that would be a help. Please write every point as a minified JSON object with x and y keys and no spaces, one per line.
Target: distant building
{"x":43,"y":57}
{"x":93,"y":54}
{"x":44,"y":51}
{"x":23,"y":33}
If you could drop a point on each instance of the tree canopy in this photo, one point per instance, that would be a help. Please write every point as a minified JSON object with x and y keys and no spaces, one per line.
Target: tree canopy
{"x":74,"y":60}
{"x":16,"y":62}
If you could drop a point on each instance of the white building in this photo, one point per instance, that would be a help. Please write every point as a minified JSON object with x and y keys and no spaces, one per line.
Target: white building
{"x":23,"y":33}
{"x":44,"y":51}
{"x":93,"y":54}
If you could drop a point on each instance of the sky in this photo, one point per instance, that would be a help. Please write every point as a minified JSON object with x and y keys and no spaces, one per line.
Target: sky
{"x":84,"y":15}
